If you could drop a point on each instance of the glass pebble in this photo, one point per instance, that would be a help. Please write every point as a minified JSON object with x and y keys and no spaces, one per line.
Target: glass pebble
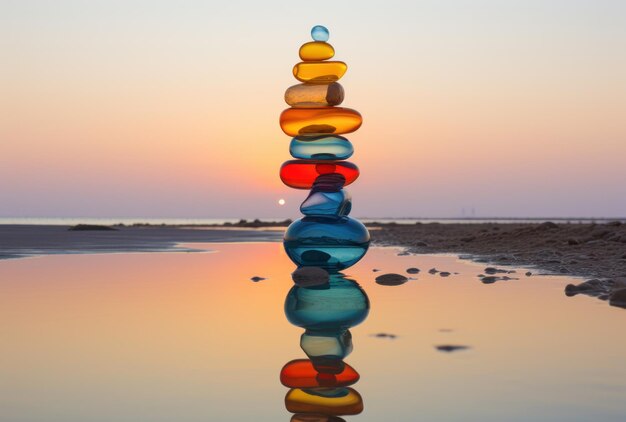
{"x":301,"y":373}
{"x":320,"y":203}
{"x":320,"y":33}
{"x":319,"y":121}
{"x":316,"y":51}
{"x":319,"y":72}
{"x":302,"y":174}
{"x":332,"y":344}
{"x":321,"y":147}
{"x":336,"y":307}
{"x":314,"y":95}
{"x":336,"y":402}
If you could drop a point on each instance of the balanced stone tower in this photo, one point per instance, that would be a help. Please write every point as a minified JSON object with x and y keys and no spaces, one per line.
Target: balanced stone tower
{"x":325,"y":237}
{"x":323,"y":301}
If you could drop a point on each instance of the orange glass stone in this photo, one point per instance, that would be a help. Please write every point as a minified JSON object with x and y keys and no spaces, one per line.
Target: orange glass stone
{"x":301,"y":174}
{"x":319,"y":72}
{"x":319,"y":121}
{"x":346,"y":401}
{"x":300,"y":373}
{"x":314,"y":95}
{"x":316,"y":51}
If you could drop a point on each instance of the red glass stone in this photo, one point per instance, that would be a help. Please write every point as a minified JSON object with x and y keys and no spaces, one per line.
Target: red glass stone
{"x":301,"y":174}
{"x":300,"y":373}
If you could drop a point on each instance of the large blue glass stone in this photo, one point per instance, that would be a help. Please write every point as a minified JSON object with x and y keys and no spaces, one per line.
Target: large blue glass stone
{"x":335,"y":307}
{"x":320,"y":203}
{"x":327,"y":242}
{"x":321,"y":148}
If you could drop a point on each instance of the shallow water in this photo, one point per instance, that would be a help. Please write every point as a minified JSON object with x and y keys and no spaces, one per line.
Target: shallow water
{"x":188,"y":337}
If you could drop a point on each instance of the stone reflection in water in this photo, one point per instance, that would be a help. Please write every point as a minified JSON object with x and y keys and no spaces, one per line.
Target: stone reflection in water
{"x":319,"y":385}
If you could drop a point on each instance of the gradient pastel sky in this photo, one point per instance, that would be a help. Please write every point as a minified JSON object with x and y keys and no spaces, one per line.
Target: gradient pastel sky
{"x":170,"y":109}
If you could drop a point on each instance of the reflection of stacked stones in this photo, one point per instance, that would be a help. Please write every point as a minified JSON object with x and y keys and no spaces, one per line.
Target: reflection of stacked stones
{"x":319,"y":384}
{"x":326,"y":237}
{"x":323,"y":302}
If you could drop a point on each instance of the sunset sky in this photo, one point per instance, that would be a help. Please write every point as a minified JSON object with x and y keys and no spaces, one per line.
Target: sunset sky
{"x":170,"y":109}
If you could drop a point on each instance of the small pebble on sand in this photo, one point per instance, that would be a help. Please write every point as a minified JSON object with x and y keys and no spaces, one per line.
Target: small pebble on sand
{"x":256,"y":278}
{"x":412,"y":270}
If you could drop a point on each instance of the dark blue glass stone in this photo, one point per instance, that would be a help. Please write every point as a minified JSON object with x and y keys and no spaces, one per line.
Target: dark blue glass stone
{"x":321,"y":147}
{"x":335,"y":307}
{"x":330,"y":243}
{"x":320,"y":203}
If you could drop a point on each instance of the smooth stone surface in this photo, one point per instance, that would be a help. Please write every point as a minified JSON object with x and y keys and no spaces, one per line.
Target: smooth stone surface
{"x":319,"y":72}
{"x":333,"y":308}
{"x":331,"y":344}
{"x":412,"y":270}
{"x":345,"y":401}
{"x":310,"y":276}
{"x":329,"y":182}
{"x":320,"y":203}
{"x":314,"y":95}
{"x":330,"y":243}
{"x":316,"y":51}
{"x":300,"y":373}
{"x":302,"y":174}
{"x":391,"y":279}
{"x":321,"y":147}
{"x":319,"y":121}
{"x":320,"y":33}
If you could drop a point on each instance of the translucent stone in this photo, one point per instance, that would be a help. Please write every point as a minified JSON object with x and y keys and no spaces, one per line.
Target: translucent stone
{"x":314,"y":95}
{"x":327,"y":204}
{"x":329,"y":243}
{"x":335,"y":402}
{"x":335,"y":307}
{"x":300,"y":373}
{"x":310,"y":276}
{"x":302,"y":174}
{"x":319,"y":72}
{"x":320,"y":33}
{"x":321,"y":147}
{"x":319,"y":121}
{"x":329,"y":182}
{"x":316,"y":51}
{"x":331,"y":344}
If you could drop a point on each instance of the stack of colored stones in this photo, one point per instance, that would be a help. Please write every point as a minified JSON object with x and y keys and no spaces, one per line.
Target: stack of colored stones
{"x":326,"y":237}
{"x":323,"y":301}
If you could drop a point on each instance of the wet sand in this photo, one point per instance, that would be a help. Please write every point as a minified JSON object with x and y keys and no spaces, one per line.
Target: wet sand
{"x":17,"y":241}
{"x":591,"y":251}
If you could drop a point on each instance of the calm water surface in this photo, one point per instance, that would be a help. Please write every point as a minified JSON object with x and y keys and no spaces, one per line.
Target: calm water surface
{"x":188,"y":337}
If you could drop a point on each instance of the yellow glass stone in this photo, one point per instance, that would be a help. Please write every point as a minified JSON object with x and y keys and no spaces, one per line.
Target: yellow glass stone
{"x":300,"y":401}
{"x":319,"y":72}
{"x":314,"y":95}
{"x":319,"y":121}
{"x":316,"y":50}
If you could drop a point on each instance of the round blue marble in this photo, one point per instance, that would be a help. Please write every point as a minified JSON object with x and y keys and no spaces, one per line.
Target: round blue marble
{"x":328,"y":242}
{"x":337,"y":306}
{"x":321,"y":148}
{"x":320,"y":33}
{"x":320,"y":203}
